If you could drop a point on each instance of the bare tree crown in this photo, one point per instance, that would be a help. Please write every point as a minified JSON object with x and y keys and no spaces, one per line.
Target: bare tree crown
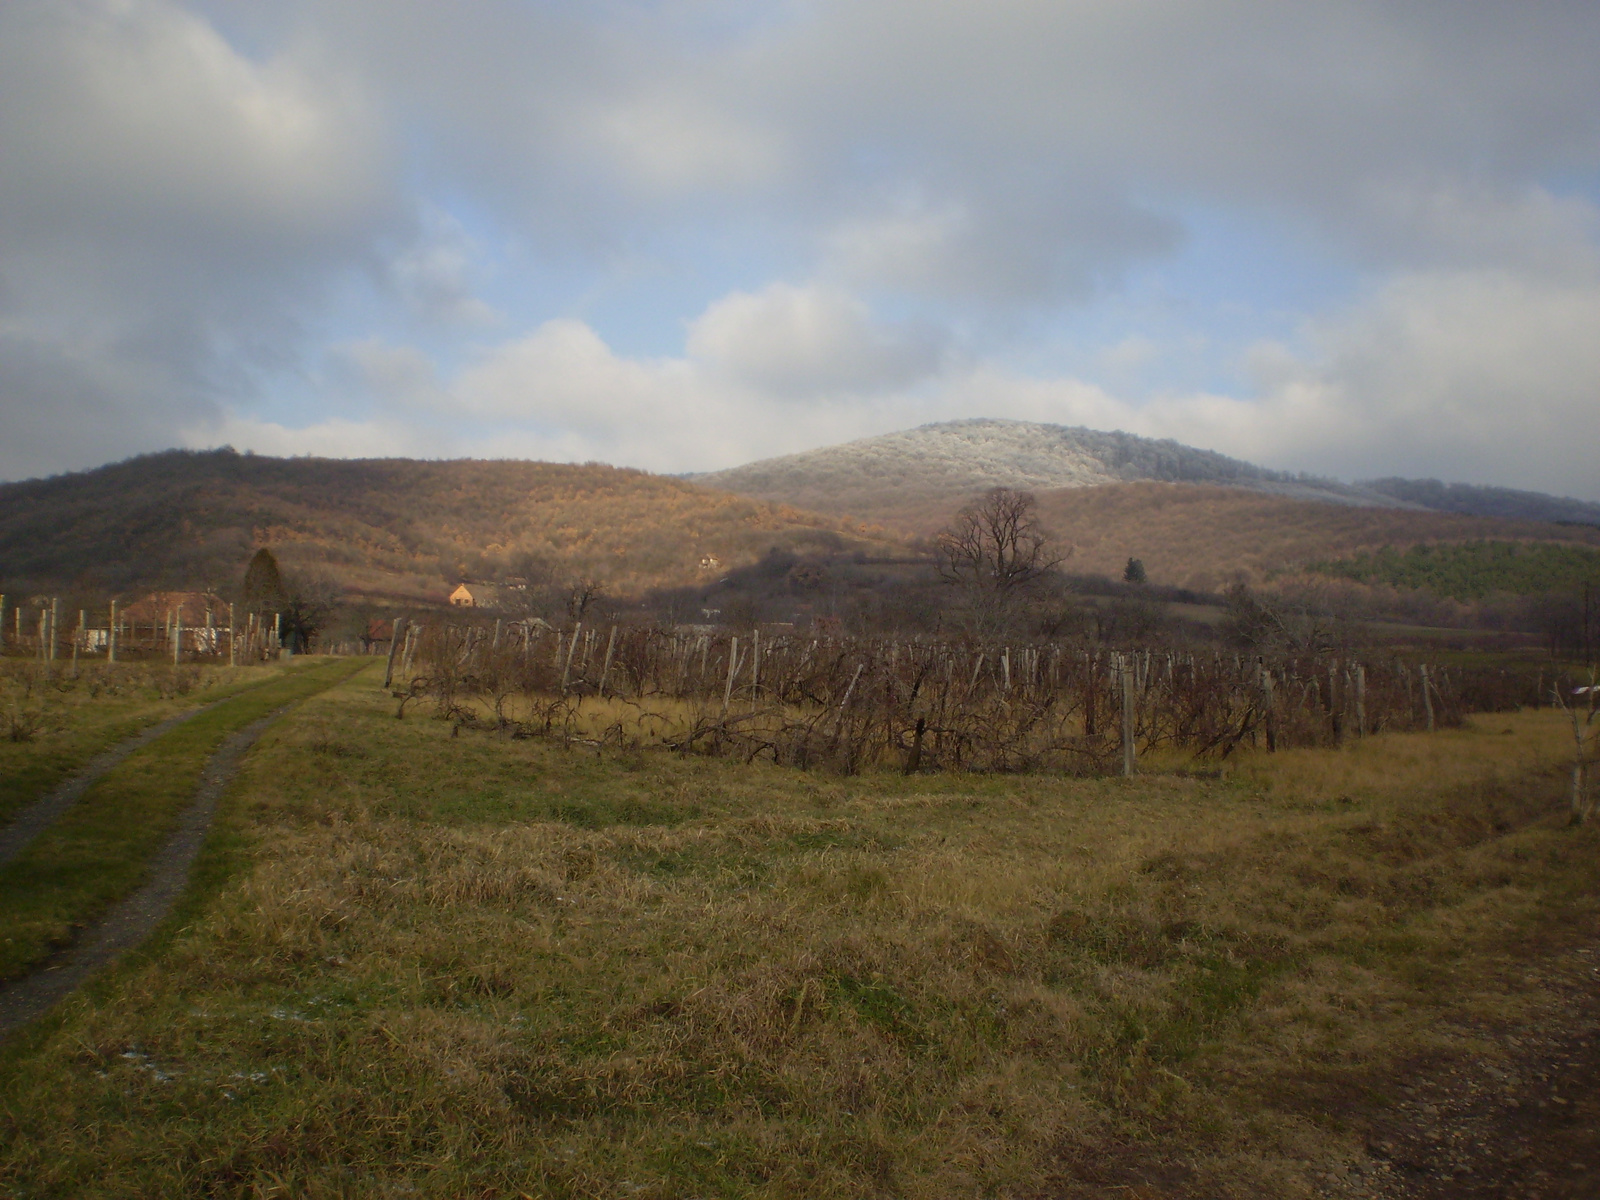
{"x":995,"y":544}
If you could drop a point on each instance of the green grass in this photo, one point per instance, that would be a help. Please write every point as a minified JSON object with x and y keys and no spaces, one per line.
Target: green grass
{"x":1475,"y":570}
{"x":430,"y":965}
{"x":66,"y":717}
{"x":97,"y":851}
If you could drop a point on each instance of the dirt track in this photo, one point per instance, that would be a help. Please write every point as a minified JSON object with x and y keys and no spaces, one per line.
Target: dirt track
{"x":136,"y":916}
{"x":38,"y":816}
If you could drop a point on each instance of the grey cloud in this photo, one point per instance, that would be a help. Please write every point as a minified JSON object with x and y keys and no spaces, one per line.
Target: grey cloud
{"x":171,"y":214}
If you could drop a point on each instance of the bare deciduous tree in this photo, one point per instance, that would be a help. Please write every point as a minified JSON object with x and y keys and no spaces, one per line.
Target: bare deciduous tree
{"x":996,"y":552}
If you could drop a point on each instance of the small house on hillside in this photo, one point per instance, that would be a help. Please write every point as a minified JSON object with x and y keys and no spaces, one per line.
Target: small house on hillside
{"x":487,"y":595}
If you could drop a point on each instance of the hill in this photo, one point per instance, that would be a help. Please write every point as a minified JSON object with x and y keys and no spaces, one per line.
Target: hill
{"x":900,"y":477}
{"x":1200,"y":536}
{"x":394,"y":528}
{"x":1478,"y":501}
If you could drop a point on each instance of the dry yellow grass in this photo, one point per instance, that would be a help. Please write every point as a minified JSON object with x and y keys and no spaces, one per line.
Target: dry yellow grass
{"x":454,"y":965}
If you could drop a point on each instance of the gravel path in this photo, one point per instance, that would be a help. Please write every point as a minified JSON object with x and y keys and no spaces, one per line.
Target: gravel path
{"x":136,"y":916}
{"x":38,"y":816}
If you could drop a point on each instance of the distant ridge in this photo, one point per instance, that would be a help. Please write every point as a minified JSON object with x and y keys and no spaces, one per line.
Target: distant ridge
{"x":896,"y":475}
{"x":1477,"y":501}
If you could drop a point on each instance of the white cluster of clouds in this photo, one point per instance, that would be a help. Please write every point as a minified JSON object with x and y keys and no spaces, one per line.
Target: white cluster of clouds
{"x":358,"y":228}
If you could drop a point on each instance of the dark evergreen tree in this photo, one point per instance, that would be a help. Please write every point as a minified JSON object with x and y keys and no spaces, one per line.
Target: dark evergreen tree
{"x":1134,"y":571}
{"x":262,"y":591}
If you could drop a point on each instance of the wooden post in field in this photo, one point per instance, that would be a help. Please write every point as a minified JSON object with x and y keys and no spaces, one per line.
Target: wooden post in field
{"x":1427,"y":699}
{"x":1127,"y":715}
{"x":566,"y":667}
{"x":2,"y":622}
{"x":413,"y":635}
{"x":395,"y":634}
{"x":733,"y":665}
{"x":233,"y":655}
{"x":111,"y":635}
{"x":1268,"y":709}
{"x":611,"y":646}
{"x":43,"y":633}
{"x":1361,"y":700}
{"x":55,"y":617}
{"x":755,"y":669}
{"x":83,"y":623}
{"x":177,"y":635}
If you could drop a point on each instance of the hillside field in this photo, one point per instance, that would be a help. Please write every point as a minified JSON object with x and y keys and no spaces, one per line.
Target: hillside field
{"x":425,"y":961}
{"x":1201,"y":536}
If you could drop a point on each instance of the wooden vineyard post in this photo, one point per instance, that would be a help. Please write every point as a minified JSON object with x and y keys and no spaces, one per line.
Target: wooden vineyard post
{"x":111,"y":635}
{"x":605,"y":670}
{"x":413,"y":634}
{"x":755,"y":668}
{"x":1361,"y":701}
{"x":1267,"y":708}
{"x":233,"y":654}
{"x":566,"y":666}
{"x":83,"y":624}
{"x":55,"y":616}
{"x":1427,"y":699}
{"x":1127,"y":715}
{"x":733,"y":666}
{"x":395,"y":634}
{"x":2,"y":622}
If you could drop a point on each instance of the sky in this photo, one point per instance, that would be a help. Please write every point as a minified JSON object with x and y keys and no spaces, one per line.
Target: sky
{"x":1351,"y":238}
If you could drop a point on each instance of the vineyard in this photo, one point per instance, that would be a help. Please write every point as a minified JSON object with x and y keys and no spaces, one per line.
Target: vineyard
{"x":849,"y":703}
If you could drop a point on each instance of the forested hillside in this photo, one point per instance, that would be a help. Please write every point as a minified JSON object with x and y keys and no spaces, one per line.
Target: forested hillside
{"x":1199,"y":536}
{"x":393,"y":527}
{"x":1478,"y":501}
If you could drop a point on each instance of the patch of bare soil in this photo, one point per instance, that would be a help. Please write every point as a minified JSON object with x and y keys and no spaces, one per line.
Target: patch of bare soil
{"x":1521,"y":1119}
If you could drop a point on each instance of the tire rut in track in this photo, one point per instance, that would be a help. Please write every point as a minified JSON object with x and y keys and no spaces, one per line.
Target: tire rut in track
{"x":33,"y":820}
{"x":135,"y":916}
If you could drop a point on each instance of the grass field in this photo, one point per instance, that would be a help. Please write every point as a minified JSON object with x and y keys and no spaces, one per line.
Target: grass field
{"x":55,"y":717}
{"x":97,"y":851}
{"x":428,"y":962}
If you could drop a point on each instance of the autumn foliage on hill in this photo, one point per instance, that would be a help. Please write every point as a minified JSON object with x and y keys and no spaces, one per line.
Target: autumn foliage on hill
{"x":386,"y":527}
{"x":1200,"y":536}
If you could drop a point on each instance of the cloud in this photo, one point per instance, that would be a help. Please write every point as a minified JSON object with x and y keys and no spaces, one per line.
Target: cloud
{"x":806,"y":341}
{"x":170,"y":212}
{"x":434,"y":275}
{"x":208,"y":215}
{"x":336,"y":437}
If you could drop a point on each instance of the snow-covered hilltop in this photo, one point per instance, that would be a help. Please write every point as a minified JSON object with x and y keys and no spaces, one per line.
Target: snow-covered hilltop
{"x":934,"y":464}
